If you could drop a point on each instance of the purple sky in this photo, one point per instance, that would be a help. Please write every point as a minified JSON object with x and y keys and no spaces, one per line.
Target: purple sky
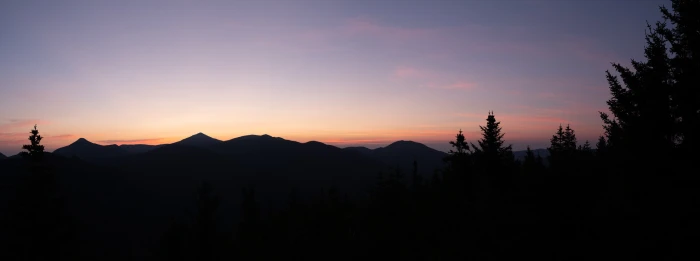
{"x":341,"y":72}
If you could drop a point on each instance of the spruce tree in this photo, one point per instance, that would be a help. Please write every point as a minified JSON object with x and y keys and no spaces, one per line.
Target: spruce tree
{"x":491,"y":144}
{"x":34,"y":151}
{"x":556,"y":142}
{"x":601,"y":147}
{"x":683,"y":37}
{"x":461,"y":146}
{"x":569,"y":139}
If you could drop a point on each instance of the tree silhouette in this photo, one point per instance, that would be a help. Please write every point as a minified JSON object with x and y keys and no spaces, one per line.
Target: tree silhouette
{"x":563,"y":148}
{"x":460,"y":145}
{"x":684,"y":41}
{"x":41,"y":229}
{"x":491,"y":153}
{"x":34,"y":151}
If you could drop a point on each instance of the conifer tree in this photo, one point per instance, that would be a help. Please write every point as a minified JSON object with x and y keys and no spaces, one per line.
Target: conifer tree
{"x":683,"y":37}
{"x":458,"y":158}
{"x":601,"y":147}
{"x":569,"y":139}
{"x":34,"y":151}
{"x":460,"y":145}
{"x":491,"y":144}
{"x":556,"y":142}
{"x":644,"y":115}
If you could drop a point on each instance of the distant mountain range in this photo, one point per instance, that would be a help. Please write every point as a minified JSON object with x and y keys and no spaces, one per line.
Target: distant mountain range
{"x":400,"y":154}
{"x":520,"y":155}
{"x":152,"y":183}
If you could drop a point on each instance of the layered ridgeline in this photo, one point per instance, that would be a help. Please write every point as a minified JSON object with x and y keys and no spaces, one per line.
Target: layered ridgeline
{"x":257,"y":150}
{"x":152,"y":183}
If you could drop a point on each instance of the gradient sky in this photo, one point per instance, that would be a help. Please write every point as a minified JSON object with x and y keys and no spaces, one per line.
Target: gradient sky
{"x":342,"y":72}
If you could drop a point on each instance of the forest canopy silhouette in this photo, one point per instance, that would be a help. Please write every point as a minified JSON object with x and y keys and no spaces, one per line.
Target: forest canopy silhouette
{"x":631,"y":195}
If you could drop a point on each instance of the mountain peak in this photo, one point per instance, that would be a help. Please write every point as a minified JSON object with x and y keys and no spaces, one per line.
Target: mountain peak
{"x":403,"y":143}
{"x":198,"y":140}
{"x":82,"y":141}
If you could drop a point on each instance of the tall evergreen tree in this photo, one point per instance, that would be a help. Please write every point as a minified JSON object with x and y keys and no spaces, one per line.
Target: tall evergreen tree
{"x":684,"y":40}
{"x":557,"y":141}
{"x":460,"y":145}
{"x":35,"y":150}
{"x":491,"y":144}
{"x":642,"y":105}
{"x":563,"y":148}
{"x":569,"y":139}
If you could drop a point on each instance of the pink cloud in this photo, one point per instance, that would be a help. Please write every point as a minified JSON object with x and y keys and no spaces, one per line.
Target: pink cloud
{"x":133,"y":141}
{"x":14,"y":124}
{"x":62,"y":136}
{"x":460,"y":86}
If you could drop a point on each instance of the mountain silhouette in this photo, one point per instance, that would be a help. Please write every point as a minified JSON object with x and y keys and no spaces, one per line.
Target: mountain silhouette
{"x":520,"y":155}
{"x":139,"y":148}
{"x":401,"y":154}
{"x":199,"y":140}
{"x":2,"y":156}
{"x":87,"y":150}
{"x":363,"y":150}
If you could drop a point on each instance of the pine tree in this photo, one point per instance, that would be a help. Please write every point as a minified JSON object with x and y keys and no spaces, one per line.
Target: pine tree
{"x":458,"y":159}
{"x":569,"y":139}
{"x":601,"y":146}
{"x":491,"y":144}
{"x":34,"y":151}
{"x":461,"y":146}
{"x":556,"y":142}
{"x":643,"y":109}
{"x":684,"y":40}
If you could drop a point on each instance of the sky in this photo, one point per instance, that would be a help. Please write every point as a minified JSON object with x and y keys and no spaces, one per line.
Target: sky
{"x":346,"y":73}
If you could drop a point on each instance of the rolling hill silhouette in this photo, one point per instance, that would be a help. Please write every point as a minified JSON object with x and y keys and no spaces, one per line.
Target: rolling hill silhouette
{"x":520,"y":155}
{"x":401,"y":154}
{"x":2,"y":156}
{"x":87,"y":150}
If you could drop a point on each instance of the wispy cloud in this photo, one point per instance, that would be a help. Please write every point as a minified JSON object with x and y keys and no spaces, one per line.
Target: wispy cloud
{"x":134,"y":141}
{"x":13,"y":124}
{"x":430,"y":78}
{"x":63,"y":136}
{"x":461,"y":85}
